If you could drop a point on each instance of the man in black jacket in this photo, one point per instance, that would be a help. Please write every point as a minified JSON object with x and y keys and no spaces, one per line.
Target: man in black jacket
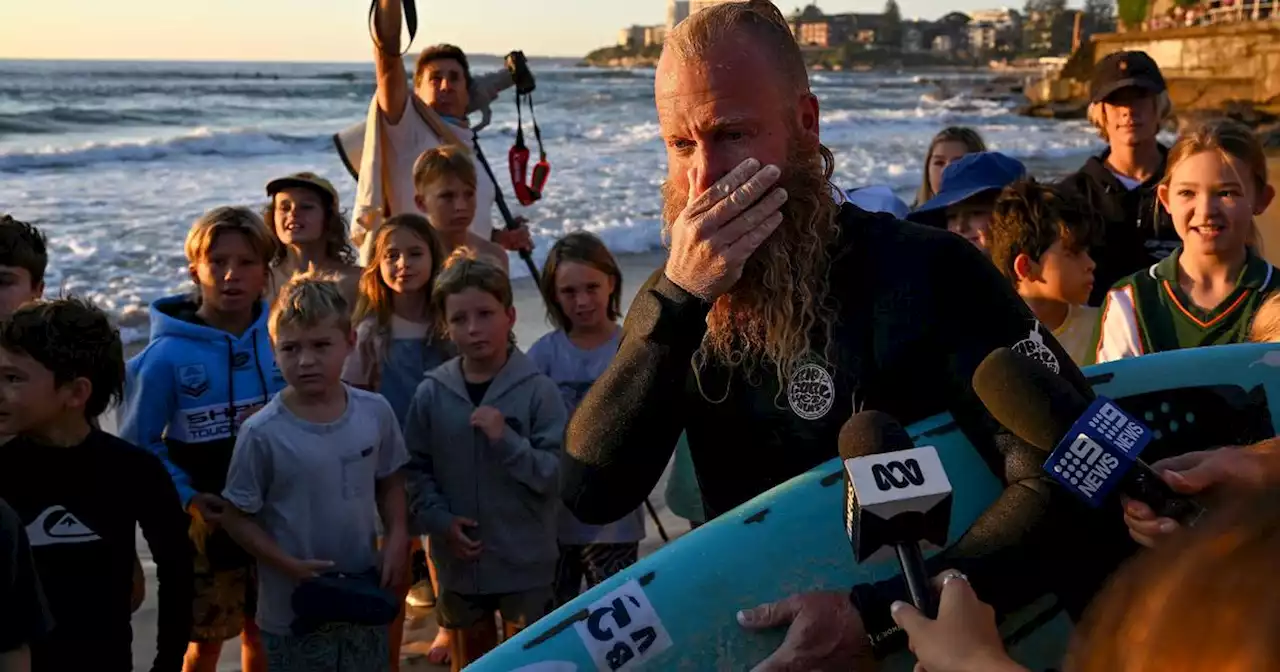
{"x":781,"y":311}
{"x":1129,"y":103}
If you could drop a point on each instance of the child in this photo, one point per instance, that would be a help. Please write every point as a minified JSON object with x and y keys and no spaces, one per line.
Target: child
{"x":1207,"y":291}
{"x":444,"y":184}
{"x":585,"y":285}
{"x":311,"y":468}
{"x":969,"y":189}
{"x":310,"y":232}
{"x":397,"y":343}
{"x":1040,"y":239}
{"x":82,"y":493}
{"x":208,"y":366}
{"x":1266,"y":321}
{"x":23,"y":259}
{"x":486,"y":422}
{"x":948,"y":145}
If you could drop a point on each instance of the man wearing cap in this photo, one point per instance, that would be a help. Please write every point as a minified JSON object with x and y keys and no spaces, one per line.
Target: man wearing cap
{"x":306,"y":220}
{"x":970,"y":186}
{"x":403,"y":123}
{"x":1129,"y":102}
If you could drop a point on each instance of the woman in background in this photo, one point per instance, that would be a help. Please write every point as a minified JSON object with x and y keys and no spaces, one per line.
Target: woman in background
{"x":947,"y":146}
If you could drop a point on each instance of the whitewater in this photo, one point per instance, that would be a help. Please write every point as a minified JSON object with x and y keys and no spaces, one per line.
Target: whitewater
{"x":115,"y":160}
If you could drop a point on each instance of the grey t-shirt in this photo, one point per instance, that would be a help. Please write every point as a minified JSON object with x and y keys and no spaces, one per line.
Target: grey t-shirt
{"x":574,"y":370}
{"x":311,"y":488}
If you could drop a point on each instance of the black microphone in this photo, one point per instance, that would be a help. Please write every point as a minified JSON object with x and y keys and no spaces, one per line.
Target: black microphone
{"x":896,"y":495}
{"x":1093,"y":444}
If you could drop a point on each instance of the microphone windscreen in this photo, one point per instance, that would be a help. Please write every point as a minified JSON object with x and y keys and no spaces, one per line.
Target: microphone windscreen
{"x":1031,"y":401}
{"x":872,"y":433}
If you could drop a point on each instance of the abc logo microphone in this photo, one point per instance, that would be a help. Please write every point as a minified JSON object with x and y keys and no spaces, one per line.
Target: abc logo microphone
{"x":896,"y":496}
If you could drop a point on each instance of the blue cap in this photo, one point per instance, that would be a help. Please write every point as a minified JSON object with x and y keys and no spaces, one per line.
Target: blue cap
{"x":878,"y":198}
{"x":967,"y":177}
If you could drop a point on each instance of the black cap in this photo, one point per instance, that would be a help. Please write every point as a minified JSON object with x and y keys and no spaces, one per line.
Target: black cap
{"x":1124,"y":69}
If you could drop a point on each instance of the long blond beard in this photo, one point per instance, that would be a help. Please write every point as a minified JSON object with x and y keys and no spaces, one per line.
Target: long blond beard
{"x":773,"y":310}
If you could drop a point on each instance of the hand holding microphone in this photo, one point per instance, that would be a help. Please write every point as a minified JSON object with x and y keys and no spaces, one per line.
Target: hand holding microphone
{"x":963,"y":638}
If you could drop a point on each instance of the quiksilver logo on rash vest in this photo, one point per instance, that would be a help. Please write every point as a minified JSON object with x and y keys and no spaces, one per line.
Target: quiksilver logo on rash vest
{"x":811,"y":392}
{"x":1033,"y":346}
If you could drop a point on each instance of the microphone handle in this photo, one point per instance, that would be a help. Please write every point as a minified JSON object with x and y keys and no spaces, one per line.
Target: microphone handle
{"x":1145,"y":485}
{"x":917,"y":577}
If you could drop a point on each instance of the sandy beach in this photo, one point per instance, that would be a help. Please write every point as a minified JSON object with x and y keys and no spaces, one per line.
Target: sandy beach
{"x":421,"y":628}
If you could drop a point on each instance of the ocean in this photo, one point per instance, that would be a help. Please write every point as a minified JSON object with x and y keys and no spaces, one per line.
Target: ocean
{"x":114,"y":160}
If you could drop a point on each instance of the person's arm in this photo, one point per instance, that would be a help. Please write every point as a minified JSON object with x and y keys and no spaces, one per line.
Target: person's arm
{"x":427,"y":503}
{"x":623,"y":433}
{"x":393,"y":86}
{"x":148,"y":404}
{"x":164,"y":525}
{"x":24,"y":615}
{"x":392,"y":456}
{"x":1004,"y":551}
{"x":535,"y":461}
{"x":363,"y":358}
{"x":1117,"y":336}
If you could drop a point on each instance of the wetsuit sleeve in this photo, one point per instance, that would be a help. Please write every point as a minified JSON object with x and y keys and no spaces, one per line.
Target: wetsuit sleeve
{"x":535,"y":461}
{"x":150,"y":401}
{"x":24,"y":616}
{"x":428,"y":509}
{"x":625,"y":430}
{"x":1006,"y":551}
{"x":164,"y":525}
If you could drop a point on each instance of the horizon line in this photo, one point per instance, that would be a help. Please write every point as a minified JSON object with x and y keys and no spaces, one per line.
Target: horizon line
{"x":149,"y":59}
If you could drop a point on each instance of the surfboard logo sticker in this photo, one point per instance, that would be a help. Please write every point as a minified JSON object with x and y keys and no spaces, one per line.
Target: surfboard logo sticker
{"x":622,"y":631}
{"x":811,"y":392}
{"x":1033,"y":346}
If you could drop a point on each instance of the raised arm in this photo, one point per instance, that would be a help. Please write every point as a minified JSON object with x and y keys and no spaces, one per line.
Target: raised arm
{"x":393,"y":86}
{"x":624,"y":431}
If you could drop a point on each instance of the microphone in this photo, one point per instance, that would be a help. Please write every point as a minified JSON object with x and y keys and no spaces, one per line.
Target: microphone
{"x":896,"y":495}
{"x":1093,"y":444}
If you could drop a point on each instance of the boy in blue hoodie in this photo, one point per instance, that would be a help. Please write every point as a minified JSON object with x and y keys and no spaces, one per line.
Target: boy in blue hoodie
{"x":484,"y":433}
{"x":208,"y":367}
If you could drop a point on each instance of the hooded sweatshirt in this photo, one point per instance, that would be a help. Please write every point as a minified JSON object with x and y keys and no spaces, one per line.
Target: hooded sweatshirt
{"x":1137,"y":230}
{"x":511,"y":486}
{"x":185,"y":393}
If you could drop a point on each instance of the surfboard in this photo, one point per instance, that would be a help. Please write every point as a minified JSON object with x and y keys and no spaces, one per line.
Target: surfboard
{"x":675,"y":609}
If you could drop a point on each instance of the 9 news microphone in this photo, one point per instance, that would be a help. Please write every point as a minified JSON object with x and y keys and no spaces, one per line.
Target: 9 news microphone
{"x":896,"y":495}
{"x":1093,"y":444}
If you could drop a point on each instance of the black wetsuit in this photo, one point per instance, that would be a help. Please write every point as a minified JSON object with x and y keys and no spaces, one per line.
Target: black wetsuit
{"x":24,"y":616}
{"x":918,"y":310}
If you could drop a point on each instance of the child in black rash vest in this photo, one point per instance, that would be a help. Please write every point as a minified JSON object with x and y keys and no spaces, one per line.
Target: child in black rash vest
{"x":81,"y":493}
{"x":24,"y":615}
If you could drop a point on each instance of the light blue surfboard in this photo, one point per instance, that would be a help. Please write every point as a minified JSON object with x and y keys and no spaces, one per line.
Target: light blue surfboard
{"x":675,"y":610}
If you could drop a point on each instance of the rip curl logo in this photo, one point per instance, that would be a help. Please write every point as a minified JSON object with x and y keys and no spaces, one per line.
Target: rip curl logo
{"x":811,"y":392}
{"x":1033,"y":346}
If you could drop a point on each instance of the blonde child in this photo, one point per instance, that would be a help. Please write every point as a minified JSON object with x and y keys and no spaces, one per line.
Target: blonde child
{"x":486,"y":424}
{"x":310,"y":232}
{"x":444,"y":186}
{"x":311,"y":473}
{"x":398,"y":340}
{"x":208,"y":366}
{"x":1040,"y":240}
{"x":1207,"y":291}
{"x":584,"y":284}
{"x":1266,"y":321}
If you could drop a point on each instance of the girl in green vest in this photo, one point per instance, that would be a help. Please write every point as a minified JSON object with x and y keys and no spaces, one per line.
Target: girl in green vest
{"x":1208,"y":290}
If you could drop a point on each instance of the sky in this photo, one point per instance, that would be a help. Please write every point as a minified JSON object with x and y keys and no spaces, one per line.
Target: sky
{"x":336,"y":30}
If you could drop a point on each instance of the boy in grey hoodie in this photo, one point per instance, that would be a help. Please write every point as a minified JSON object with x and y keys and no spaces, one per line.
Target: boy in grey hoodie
{"x":484,"y":434}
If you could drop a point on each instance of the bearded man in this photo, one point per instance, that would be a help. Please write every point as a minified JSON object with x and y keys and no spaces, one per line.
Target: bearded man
{"x":780,"y":311}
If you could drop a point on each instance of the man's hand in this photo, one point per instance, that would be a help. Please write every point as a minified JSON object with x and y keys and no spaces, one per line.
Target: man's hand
{"x":825,"y":633}
{"x":519,"y":239}
{"x":722,"y":227}
{"x":1204,"y":472}
{"x":393,"y":561}
{"x":463,"y":546}
{"x":490,"y":421}
{"x":302,"y":570}
{"x":210,"y":507}
{"x":518,"y":66}
{"x":963,"y":639}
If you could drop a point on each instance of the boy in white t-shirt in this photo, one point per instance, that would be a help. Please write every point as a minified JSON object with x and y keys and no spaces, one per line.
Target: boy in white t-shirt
{"x":1040,"y":240}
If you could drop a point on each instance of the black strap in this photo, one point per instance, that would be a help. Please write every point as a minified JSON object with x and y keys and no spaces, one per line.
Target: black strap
{"x":520,"y":124}
{"x":506,"y":212}
{"x":537,"y":132}
{"x":410,"y":20}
